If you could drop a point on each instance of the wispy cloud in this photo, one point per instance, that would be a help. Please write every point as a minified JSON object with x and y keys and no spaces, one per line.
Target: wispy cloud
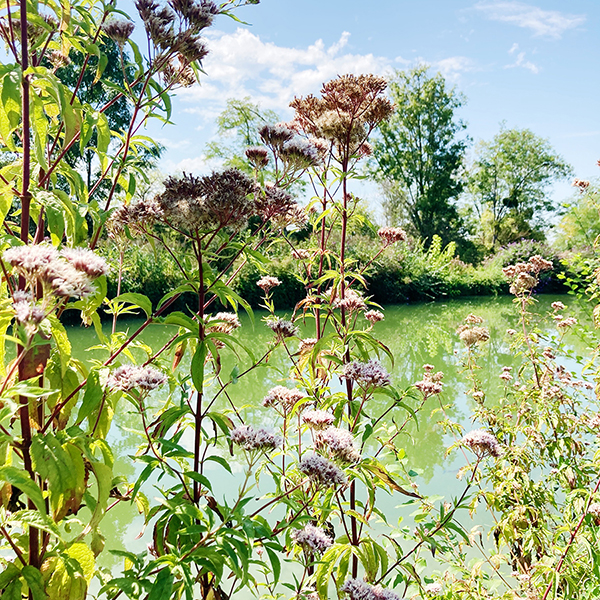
{"x":520,"y":60}
{"x":543,"y":23}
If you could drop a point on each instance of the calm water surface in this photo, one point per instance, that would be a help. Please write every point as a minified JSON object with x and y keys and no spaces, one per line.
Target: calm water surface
{"x":416,"y":335}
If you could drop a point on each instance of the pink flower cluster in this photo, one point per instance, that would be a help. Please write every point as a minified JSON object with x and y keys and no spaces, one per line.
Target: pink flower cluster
{"x":322,"y":471}
{"x":368,"y":375}
{"x":317,"y":419}
{"x":283,"y":397}
{"x":251,"y":439}
{"x":357,"y":589}
{"x":338,"y":443}
{"x":312,"y":538}
{"x":127,"y":377}
{"x":482,"y":443}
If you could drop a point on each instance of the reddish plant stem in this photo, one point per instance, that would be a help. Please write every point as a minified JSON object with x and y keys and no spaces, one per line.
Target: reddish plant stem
{"x":25,"y":217}
{"x":571,"y":540}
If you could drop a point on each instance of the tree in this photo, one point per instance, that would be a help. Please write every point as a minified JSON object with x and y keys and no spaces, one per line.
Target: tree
{"x":508,"y":186}
{"x":419,"y":156}
{"x":239,"y":123}
{"x":81,"y":72}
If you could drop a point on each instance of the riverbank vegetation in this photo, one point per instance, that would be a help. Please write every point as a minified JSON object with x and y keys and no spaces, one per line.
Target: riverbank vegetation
{"x":306,"y":519}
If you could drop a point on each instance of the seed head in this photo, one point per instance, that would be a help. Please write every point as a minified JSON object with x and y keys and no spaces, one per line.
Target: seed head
{"x":258,"y":156}
{"x":391,"y":235}
{"x":119,"y":30}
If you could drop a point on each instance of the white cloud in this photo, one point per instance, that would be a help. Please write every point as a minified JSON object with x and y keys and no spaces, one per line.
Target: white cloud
{"x":520,"y":61}
{"x":241,"y":64}
{"x":452,"y":67}
{"x":546,"y":23}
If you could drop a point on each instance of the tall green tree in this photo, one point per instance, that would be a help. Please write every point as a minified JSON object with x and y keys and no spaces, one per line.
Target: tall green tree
{"x":509,"y":183}
{"x":419,"y":156}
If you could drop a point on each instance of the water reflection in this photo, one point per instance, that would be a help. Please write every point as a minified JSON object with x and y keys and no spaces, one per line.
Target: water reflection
{"x":416,"y":335}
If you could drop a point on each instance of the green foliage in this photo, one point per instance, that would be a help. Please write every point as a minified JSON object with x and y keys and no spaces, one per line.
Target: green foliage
{"x":419,"y":157}
{"x":579,"y":228}
{"x":508,"y":185}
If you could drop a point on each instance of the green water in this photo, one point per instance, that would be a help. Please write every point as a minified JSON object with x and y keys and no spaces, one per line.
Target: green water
{"x":416,"y":335}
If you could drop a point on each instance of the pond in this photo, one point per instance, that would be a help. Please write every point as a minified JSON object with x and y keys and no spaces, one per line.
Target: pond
{"x":416,"y":335}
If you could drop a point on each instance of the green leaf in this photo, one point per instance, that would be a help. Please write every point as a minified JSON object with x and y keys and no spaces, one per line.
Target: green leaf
{"x":199,"y":478}
{"x":92,"y":397}
{"x":59,"y":333}
{"x":54,"y":463}
{"x":138,"y":300}
{"x":103,"y":475}
{"x":83,"y":554}
{"x":198,"y":366}
{"x":20,"y":479}
{"x":219,"y":459}
{"x":163,"y":585}
{"x":9,"y":573}
{"x":34,"y":580}
{"x":13,"y":591}
{"x":182,"y":320}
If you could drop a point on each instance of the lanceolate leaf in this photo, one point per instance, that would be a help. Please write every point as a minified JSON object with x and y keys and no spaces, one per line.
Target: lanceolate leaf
{"x":20,"y":479}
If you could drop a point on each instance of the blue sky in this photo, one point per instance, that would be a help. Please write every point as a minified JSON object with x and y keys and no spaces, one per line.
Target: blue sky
{"x":532,"y":65}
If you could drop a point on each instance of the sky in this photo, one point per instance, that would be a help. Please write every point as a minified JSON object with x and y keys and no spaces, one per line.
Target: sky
{"x":530,"y":65}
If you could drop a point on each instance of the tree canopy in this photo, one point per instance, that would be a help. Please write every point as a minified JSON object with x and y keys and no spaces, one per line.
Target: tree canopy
{"x":508,"y":186}
{"x":419,"y":156}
